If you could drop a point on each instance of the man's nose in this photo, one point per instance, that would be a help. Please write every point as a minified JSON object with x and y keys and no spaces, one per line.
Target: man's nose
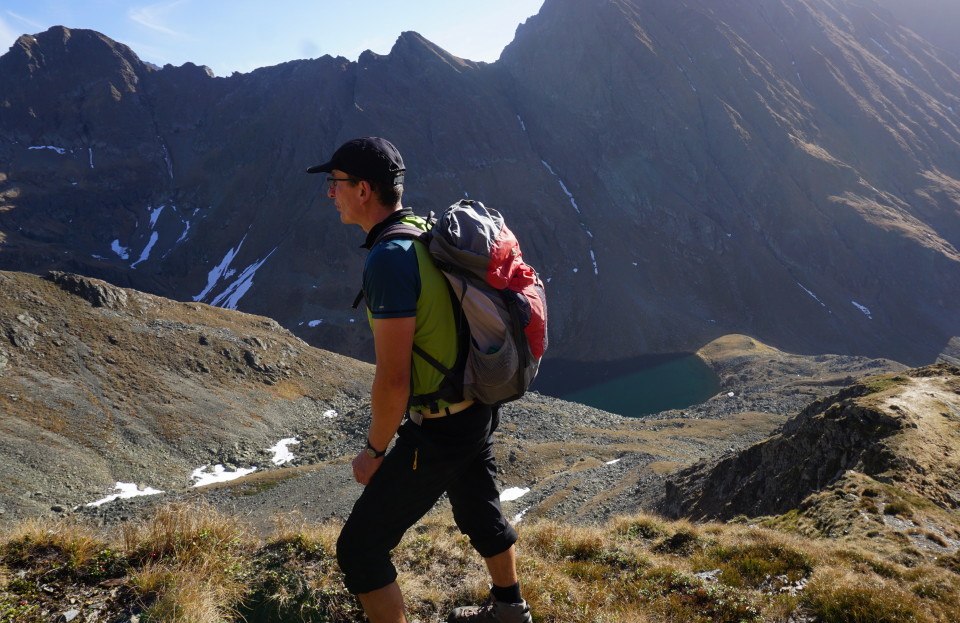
{"x":331,"y":191}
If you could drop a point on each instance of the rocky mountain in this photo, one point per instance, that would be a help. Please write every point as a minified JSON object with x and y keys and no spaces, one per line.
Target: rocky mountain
{"x":677,"y":169}
{"x":107,"y":391}
{"x":899,"y":432}
{"x":100,"y":385}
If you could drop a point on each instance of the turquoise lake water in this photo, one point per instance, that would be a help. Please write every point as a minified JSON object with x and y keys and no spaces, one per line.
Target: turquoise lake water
{"x":632,"y":388}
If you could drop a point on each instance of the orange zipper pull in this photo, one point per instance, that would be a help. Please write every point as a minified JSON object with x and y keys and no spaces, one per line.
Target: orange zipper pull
{"x":416,"y":453}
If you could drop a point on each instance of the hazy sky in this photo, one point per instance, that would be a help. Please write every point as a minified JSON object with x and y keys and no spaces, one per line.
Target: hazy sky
{"x":241,"y":35}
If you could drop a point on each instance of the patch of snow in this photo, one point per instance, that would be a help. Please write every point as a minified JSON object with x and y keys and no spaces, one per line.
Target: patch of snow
{"x":155,"y":214}
{"x":208,"y":475}
{"x":90,"y":150}
{"x":145,"y":254}
{"x":879,"y":45}
{"x":281,"y":451}
{"x":219,"y":271}
{"x":519,"y":516}
{"x":811,"y":294}
{"x":514,"y":493}
{"x":314,"y":323}
{"x":613,"y":462}
{"x":59,"y":150}
{"x":230,"y":297}
{"x":329,"y":414}
{"x":123,"y":252}
{"x":563,"y":186}
{"x":864,"y":309}
{"x":126,"y":490}
{"x":523,"y":126}
{"x":593,"y":258}
{"x":730,"y":394}
{"x":186,"y":230}
{"x":576,"y":270}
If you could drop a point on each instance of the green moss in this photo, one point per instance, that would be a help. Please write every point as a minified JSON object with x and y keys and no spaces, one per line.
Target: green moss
{"x":877,"y":384}
{"x":682,"y":597}
{"x":647,"y":528}
{"x":758,"y":564}
{"x":899,"y":508}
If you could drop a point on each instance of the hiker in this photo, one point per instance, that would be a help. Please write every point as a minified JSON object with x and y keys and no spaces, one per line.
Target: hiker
{"x":444,"y":444}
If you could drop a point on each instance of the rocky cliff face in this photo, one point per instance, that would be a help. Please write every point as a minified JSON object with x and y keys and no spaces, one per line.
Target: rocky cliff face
{"x":900,"y":430}
{"x":678,"y":170}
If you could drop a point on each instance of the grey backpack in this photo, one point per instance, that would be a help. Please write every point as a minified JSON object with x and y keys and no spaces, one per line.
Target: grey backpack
{"x":499,"y":295}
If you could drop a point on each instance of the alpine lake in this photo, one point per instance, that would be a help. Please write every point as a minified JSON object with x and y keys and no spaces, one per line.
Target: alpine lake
{"x":634,"y":387}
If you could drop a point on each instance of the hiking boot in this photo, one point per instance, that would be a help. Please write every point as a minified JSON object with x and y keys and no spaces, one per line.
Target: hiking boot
{"x":492,"y":612}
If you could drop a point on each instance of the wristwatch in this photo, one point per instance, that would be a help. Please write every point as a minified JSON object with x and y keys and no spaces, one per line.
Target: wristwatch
{"x":372,"y":452}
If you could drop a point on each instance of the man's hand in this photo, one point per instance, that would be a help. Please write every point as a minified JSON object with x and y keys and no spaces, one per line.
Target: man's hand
{"x":364,"y":467}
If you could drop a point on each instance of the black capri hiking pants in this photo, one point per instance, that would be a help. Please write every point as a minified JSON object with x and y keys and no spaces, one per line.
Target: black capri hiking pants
{"x":453,"y":454}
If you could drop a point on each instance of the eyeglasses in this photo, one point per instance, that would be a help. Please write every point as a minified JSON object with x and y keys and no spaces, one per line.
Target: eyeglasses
{"x":332,"y":181}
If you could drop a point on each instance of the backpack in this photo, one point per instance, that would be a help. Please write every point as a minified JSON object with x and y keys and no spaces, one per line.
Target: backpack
{"x":499,"y":295}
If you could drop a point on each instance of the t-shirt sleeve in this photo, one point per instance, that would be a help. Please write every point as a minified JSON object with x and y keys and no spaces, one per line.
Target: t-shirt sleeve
{"x":391,"y":280}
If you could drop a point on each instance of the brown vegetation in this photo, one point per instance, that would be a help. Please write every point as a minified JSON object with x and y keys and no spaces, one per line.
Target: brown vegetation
{"x":189,"y":563}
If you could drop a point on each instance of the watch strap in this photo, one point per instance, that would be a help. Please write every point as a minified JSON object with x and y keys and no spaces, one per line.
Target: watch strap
{"x":373,"y":452}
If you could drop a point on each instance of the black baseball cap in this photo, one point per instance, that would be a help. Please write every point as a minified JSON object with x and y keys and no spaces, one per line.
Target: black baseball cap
{"x":368,"y":158}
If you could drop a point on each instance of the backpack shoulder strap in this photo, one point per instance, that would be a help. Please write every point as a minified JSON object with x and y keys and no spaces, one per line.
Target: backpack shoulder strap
{"x":401,"y":231}
{"x":397,"y":231}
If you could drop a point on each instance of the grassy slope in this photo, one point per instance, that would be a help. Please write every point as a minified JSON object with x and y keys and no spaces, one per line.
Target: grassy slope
{"x":193,"y":564}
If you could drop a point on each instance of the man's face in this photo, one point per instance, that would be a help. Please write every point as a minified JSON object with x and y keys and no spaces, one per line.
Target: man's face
{"x":344,"y":194}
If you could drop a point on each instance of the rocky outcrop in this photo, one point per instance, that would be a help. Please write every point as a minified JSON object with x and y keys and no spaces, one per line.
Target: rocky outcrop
{"x":676,"y":169}
{"x":96,"y":292}
{"x":896,"y":428}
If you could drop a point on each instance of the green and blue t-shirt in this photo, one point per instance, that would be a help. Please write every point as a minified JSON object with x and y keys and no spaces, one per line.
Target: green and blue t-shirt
{"x":400,"y":281}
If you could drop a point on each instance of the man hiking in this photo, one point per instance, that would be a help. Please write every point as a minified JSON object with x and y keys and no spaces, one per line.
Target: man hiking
{"x":445,"y":443}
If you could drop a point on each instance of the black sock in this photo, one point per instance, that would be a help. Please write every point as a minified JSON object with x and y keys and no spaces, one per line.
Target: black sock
{"x":510,"y":594}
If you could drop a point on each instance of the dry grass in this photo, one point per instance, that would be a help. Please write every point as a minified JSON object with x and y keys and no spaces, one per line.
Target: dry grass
{"x":193,"y":564}
{"x":189,"y":561}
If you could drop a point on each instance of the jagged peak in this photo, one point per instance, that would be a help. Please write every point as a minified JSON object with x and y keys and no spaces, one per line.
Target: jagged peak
{"x":414,"y":45}
{"x":60,"y":42}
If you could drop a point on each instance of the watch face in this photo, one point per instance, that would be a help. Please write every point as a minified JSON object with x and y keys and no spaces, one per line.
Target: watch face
{"x":371,"y":453}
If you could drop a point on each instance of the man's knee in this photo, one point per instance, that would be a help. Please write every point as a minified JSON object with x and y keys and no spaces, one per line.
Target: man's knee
{"x":490,"y":543}
{"x":364,"y":568}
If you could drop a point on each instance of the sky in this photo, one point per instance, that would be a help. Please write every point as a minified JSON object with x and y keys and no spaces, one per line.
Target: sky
{"x":242,"y":35}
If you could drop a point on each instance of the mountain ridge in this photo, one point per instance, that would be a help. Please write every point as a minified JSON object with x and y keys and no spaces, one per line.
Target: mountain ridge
{"x":709,"y":172}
